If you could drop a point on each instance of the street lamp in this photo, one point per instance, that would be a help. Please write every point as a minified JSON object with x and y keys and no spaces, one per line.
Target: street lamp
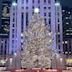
{"x":15,"y":54}
{"x":11,"y":60}
{"x":61,"y":59}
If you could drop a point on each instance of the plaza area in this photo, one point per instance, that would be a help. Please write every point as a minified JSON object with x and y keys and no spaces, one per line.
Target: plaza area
{"x":42,"y":70}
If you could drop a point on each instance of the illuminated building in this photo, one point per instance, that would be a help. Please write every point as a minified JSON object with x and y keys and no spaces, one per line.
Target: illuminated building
{"x":67,"y":30}
{"x":67,"y":36}
{"x":21,"y":14}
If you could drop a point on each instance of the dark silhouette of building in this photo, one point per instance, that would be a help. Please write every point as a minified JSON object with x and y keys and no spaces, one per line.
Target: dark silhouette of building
{"x":67,"y":30}
{"x":4,"y":26}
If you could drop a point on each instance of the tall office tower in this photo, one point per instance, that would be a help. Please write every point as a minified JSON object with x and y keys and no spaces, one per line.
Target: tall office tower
{"x":21,"y":14}
{"x":67,"y":30}
{"x":67,"y":36}
{"x":4,"y":26}
{"x":58,"y":27}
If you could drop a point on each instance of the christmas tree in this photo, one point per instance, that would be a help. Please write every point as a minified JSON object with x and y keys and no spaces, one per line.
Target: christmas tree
{"x":37,"y":51}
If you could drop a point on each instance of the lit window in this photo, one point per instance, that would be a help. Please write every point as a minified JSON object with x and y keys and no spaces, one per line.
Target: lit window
{"x":68,"y":12}
{"x":67,"y":23}
{"x":66,"y":17}
{"x":66,"y":42}
{"x":67,"y":34}
{"x":71,"y":33}
{"x":66,"y":52}
{"x":63,"y":10}
{"x":21,"y":34}
{"x":58,"y":33}
{"x":63,"y":42}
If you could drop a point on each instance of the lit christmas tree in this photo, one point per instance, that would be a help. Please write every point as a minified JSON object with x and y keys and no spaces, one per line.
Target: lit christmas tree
{"x":37,"y":52}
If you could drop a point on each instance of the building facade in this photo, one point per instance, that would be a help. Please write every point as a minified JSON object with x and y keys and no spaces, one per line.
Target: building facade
{"x":58,"y":27}
{"x":67,"y":36}
{"x":4,"y":26}
{"x":67,"y":30}
{"x":21,"y":14}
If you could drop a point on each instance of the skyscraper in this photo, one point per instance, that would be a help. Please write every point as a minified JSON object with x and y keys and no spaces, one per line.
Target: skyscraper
{"x":67,"y":36}
{"x":67,"y":30}
{"x":58,"y":26}
{"x":4,"y":26}
{"x":21,"y":14}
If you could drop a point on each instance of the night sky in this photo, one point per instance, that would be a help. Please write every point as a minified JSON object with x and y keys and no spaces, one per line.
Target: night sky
{"x":66,"y":3}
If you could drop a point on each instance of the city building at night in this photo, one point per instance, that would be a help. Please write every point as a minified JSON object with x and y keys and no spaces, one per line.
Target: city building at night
{"x":67,"y":36}
{"x":21,"y":14}
{"x":67,"y":30}
{"x":4,"y":26}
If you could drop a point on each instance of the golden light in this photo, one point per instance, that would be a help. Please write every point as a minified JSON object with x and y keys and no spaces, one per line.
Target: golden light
{"x":68,"y":60}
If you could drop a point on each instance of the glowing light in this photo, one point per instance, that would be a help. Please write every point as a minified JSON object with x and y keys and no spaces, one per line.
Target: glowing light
{"x":3,"y":61}
{"x":36,"y":10}
{"x":57,"y":4}
{"x":61,"y":59}
{"x":15,"y":54}
{"x":21,"y":34}
{"x":66,"y":42}
{"x":14,"y":3}
{"x":69,"y":60}
{"x":11,"y":60}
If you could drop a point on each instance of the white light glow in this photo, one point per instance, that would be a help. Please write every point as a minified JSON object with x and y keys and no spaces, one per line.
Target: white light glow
{"x":61,"y":59}
{"x":57,"y":4}
{"x":15,"y":54}
{"x":14,"y":3}
{"x":36,"y":10}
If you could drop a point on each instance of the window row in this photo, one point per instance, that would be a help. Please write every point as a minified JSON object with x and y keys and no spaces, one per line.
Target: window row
{"x":38,"y":7}
{"x":33,"y":1}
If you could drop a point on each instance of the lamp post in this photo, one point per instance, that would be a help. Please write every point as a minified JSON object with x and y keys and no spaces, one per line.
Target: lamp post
{"x":10,"y":62}
{"x":15,"y":54}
